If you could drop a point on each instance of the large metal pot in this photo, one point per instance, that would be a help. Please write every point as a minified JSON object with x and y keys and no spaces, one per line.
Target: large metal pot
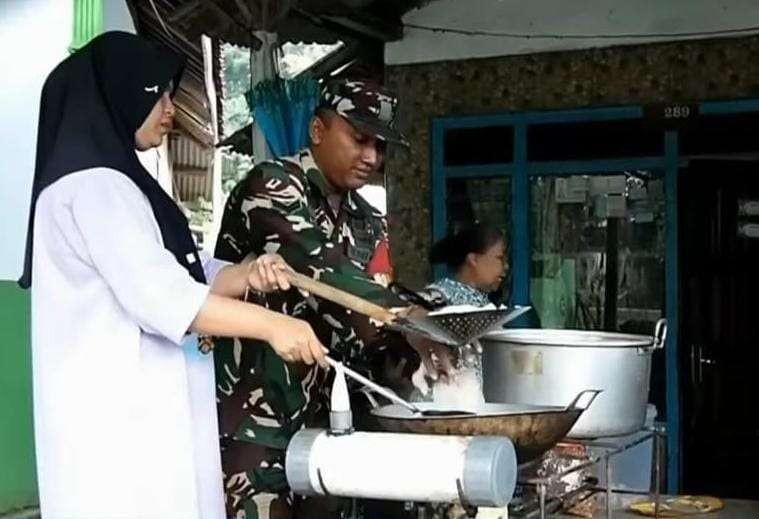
{"x":548,"y":367}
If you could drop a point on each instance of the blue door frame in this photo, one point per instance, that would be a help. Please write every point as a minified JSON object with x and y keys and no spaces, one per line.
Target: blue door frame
{"x":520,"y":170}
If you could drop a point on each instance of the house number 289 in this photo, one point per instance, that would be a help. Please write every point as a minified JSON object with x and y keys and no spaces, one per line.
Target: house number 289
{"x":676,"y":112}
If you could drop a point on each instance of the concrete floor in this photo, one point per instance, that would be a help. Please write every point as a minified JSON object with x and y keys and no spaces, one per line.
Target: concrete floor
{"x":734,"y":509}
{"x":28,"y":513}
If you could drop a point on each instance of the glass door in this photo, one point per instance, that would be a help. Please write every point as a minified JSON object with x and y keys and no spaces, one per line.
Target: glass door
{"x":597,"y":250}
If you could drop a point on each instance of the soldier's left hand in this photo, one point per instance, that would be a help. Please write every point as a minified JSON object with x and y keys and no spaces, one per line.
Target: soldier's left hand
{"x":268,"y":273}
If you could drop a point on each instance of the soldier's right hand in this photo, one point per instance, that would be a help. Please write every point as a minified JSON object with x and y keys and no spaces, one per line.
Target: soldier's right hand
{"x":295,"y":341}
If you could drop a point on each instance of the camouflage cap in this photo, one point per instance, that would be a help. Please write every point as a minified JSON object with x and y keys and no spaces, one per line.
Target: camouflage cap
{"x":370,"y":107}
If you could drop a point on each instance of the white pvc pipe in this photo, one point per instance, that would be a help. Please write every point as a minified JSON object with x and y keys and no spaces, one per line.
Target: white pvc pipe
{"x":402,"y":467}
{"x":394,"y":466}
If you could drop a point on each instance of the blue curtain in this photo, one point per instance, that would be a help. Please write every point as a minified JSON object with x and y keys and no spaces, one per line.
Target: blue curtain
{"x":283,"y":108}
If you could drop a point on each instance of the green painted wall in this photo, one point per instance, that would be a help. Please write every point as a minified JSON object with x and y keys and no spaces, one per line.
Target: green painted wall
{"x":18,"y":480}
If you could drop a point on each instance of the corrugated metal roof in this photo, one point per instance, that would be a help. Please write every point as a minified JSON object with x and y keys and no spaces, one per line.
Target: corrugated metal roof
{"x":191,"y":164}
{"x":188,"y":154}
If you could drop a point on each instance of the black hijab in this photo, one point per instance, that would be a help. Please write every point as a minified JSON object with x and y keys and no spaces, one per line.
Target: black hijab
{"x":92,"y":104}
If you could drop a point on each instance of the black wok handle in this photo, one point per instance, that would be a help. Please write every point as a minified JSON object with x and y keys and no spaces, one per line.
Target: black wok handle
{"x":573,"y":404}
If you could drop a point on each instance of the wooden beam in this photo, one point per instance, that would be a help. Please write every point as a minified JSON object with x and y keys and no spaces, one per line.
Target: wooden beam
{"x":245,"y":11}
{"x":360,"y":25}
{"x":149,"y":15}
{"x":282,"y":11}
{"x":374,"y":28}
{"x":218,"y":82}
{"x":231,"y":30}
{"x":184,"y":10}
{"x":193,"y":128}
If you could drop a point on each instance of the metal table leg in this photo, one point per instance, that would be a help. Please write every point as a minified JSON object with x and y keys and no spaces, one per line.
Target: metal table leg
{"x":608,"y":487}
{"x":657,"y":472}
{"x":542,"y":493}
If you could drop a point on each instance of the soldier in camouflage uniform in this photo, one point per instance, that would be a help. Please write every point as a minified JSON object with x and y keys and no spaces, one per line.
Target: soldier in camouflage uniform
{"x":306,"y":209}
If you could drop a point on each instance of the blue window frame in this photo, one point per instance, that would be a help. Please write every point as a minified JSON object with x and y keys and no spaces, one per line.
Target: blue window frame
{"x":520,"y":170}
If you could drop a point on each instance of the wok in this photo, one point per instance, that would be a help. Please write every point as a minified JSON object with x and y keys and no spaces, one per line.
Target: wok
{"x":533,"y":429}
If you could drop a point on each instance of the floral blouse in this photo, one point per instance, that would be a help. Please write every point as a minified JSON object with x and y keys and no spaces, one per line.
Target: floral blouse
{"x":457,"y":293}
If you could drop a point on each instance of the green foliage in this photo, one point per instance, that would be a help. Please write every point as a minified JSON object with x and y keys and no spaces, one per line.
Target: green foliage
{"x":236,"y":78}
{"x":234,"y":166}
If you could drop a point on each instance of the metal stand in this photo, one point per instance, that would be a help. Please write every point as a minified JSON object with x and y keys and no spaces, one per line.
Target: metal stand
{"x":602,"y":451}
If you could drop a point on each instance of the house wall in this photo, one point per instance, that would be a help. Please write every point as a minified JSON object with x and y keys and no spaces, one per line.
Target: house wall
{"x":34,"y":36}
{"x":625,"y":75}
{"x":26,"y":60}
{"x":18,"y":478}
{"x":632,"y":21}
{"x":41,"y":30}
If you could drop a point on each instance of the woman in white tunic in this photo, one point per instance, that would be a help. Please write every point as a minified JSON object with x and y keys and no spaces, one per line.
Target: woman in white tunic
{"x":125,"y":417}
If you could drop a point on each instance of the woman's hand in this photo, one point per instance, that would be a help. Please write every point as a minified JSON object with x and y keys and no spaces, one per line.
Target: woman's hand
{"x":294,"y":340}
{"x":268,"y":273}
{"x":438,"y":359}
{"x":265,"y":273}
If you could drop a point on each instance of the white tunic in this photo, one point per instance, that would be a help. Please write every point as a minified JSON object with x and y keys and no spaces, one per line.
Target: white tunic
{"x":125,"y":413}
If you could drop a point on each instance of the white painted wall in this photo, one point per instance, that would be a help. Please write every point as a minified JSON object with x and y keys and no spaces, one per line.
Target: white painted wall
{"x":116,"y":16}
{"x":556,"y":17}
{"x":34,"y":37}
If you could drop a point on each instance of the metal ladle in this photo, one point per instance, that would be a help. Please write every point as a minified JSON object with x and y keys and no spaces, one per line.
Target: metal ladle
{"x":390,"y":395}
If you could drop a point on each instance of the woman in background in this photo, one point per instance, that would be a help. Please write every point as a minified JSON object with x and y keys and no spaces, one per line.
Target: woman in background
{"x":476,"y":257}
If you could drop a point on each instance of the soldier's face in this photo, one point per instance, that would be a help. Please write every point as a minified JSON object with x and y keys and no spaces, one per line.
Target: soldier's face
{"x":347,"y":157}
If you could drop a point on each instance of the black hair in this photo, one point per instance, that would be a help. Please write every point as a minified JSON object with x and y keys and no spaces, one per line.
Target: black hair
{"x":453,"y":249}
{"x":323,"y":111}
{"x":325,"y":114}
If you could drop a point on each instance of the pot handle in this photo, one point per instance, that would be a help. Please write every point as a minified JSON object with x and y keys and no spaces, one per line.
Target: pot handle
{"x":573,"y":404}
{"x":660,"y":333}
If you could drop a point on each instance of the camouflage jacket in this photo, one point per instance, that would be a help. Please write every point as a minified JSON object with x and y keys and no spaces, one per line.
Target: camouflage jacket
{"x":281,"y":207}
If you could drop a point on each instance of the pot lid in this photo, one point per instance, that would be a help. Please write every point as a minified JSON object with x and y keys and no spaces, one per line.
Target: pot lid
{"x":571,"y":338}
